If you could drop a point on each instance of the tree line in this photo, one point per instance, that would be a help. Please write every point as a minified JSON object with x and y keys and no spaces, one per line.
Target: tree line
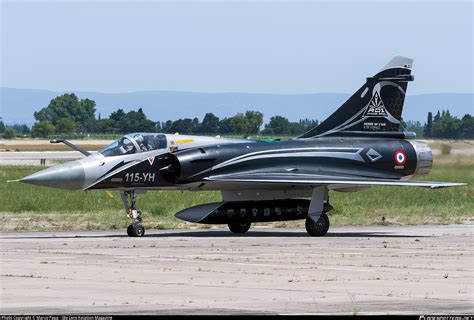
{"x":443,"y":126}
{"x":248,"y":123}
{"x":67,"y":115}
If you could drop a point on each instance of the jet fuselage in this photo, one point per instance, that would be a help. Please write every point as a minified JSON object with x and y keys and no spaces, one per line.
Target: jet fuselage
{"x":393,"y":159}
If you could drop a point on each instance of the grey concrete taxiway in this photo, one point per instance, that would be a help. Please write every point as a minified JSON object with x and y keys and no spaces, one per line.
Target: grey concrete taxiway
{"x":34,"y":157}
{"x":353,"y":270}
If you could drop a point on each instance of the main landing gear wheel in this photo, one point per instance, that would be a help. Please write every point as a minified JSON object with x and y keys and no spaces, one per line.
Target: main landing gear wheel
{"x":317,"y":229}
{"x":239,"y":227}
{"x":135,"y":229}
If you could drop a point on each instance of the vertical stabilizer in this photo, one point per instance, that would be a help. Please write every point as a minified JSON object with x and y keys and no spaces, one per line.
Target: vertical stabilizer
{"x":376,"y":107}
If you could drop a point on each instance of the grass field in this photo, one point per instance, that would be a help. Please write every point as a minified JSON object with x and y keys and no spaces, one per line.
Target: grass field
{"x":27,"y":207}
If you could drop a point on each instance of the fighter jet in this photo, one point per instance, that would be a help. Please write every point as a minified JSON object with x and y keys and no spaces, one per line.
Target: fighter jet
{"x":359,"y":146}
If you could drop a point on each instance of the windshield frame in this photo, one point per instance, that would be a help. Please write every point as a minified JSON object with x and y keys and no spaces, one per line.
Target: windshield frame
{"x":134,"y":141}
{"x":132,"y":137}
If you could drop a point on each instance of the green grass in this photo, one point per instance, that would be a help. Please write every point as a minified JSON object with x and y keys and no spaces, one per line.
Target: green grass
{"x":28,"y":207}
{"x":410,"y":205}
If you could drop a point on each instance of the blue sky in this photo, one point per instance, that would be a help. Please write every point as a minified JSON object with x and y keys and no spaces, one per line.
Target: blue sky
{"x":229,"y":46}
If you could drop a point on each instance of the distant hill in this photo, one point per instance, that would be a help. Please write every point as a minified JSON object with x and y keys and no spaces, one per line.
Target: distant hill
{"x":18,"y":105}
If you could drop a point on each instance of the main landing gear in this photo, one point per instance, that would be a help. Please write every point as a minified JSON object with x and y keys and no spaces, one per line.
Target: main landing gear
{"x":317,"y":222}
{"x":319,"y":228}
{"x":239,"y":227}
{"x":135,"y":229}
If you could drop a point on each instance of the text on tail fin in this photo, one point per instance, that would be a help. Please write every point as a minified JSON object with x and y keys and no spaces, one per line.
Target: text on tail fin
{"x":376,"y":107}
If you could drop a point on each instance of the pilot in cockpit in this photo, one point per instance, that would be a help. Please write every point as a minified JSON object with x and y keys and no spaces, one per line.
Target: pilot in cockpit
{"x":141,"y":143}
{"x":129,"y":143}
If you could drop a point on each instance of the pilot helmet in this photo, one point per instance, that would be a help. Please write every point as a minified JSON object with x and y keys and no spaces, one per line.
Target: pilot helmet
{"x":139,"y":138}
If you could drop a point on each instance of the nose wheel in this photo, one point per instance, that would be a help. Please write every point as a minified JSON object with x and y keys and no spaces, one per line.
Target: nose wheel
{"x":135,"y":229}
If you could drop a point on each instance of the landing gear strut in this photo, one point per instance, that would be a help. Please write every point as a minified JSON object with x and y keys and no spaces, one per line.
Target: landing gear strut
{"x":317,"y":222}
{"x":135,"y":229}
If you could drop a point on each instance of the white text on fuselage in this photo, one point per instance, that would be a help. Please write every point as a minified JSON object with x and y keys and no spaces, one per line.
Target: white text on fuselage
{"x":140,"y":177}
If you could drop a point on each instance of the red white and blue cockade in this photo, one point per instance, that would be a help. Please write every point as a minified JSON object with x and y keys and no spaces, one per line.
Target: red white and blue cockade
{"x":400,"y":157}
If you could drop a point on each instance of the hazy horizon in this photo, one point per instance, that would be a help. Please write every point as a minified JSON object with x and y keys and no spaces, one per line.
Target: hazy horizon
{"x":172,"y":105}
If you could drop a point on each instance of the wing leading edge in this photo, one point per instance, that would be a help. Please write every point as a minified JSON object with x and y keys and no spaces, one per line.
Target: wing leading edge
{"x":306,"y":179}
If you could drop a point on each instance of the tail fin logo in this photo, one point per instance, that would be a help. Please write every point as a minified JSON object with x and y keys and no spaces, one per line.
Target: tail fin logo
{"x":376,"y":108}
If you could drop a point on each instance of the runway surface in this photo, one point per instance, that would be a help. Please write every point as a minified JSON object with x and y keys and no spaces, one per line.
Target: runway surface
{"x":34,"y":157}
{"x":353,"y":270}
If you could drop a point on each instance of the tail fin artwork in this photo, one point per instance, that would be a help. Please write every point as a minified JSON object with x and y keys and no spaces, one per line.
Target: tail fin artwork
{"x":375,"y":108}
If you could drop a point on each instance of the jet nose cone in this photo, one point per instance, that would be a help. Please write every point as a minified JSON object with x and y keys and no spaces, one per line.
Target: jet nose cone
{"x":65,"y":176}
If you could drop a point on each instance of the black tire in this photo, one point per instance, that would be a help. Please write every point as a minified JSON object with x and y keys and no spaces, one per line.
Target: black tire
{"x":317,"y":229}
{"x":138,"y":230}
{"x":239,"y":227}
{"x":130,"y":231}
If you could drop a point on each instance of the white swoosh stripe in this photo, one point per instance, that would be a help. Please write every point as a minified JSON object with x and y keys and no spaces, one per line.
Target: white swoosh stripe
{"x":317,"y":152}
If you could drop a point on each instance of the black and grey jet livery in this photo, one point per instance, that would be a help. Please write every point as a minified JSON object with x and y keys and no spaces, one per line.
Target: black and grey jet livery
{"x":360,"y":145}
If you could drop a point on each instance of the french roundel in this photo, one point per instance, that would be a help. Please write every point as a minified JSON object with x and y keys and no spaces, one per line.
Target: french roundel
{"x":400,"y":157}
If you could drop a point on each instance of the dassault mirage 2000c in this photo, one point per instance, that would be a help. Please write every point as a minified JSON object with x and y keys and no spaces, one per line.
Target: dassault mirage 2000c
{"x":359,"y":146}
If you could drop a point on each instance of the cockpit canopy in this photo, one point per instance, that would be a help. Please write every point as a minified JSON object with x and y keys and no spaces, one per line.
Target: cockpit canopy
{"x":134,"y":143}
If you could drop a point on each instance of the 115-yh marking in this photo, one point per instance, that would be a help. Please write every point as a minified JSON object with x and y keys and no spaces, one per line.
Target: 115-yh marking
{"x":140,"y":177}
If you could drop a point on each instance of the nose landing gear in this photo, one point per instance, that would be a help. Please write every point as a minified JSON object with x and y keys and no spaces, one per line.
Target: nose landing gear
{"x":135,"y":229}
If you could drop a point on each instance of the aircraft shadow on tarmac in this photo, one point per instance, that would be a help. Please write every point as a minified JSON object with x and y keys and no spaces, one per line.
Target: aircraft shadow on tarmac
{"x":278,"y":234}
{"x":227,"y":234}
